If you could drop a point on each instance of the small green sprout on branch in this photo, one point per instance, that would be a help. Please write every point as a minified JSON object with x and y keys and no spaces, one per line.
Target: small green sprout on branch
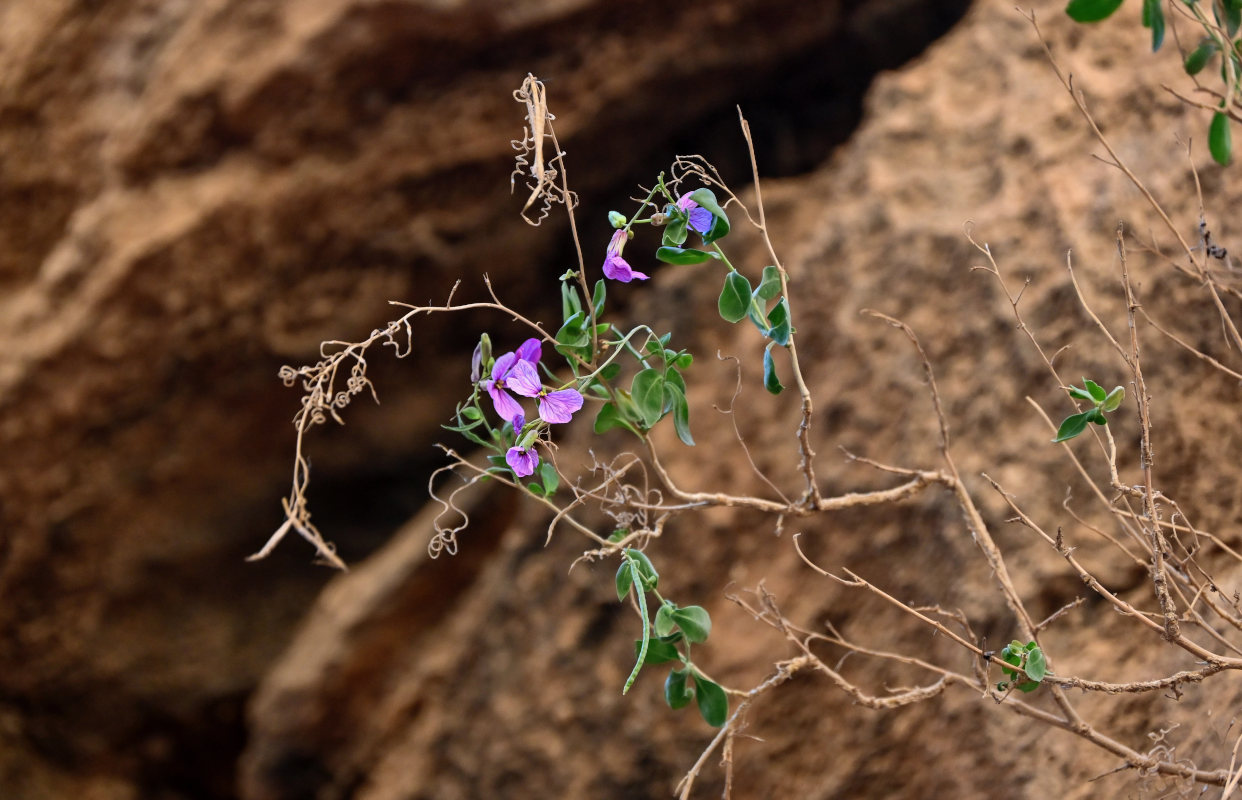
{"x":675,"y":629}
{"x":1027,"y":657}
{"x":1220,"y":35}
{"x":1101,"y":401}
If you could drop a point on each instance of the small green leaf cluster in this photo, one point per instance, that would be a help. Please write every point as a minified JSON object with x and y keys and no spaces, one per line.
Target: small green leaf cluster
{"x":738,"y":301}
{"x":677,"y":230}
{"x":656,"y":390}
{"x":1027,"y":657}
{"x":574,"y":337}
{"x":668,"y":640}
{"x":1101,"y":401}
{"x":1227,"y":16}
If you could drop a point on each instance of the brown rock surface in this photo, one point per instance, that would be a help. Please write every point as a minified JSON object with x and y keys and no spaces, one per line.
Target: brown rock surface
{"x":193,"y":194}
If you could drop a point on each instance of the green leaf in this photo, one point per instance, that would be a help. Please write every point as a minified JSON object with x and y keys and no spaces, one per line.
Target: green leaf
{"x":1198,"y":58}
{"x":1097,"y":416}
{"x":1097,"y":391}
{"x":664,"y":619}
{"x":624,"y":579}
{"x":1115,"y":398}
{"x":571,"y":306}
{"x":734,"y":297}
{"x":1153,"y":17}
{"x":609,"y":417}
{"x":713,"y":702}
{"x":1028,"y":686}
{"x":536,"y":488}
{"x":680,"y":256}
{"x":1036,"y":665}
{"x":758,"y":316}
{"x":694,"y":622}
{"x":675,"y":233}
{"x":597,"y":299}
{"x":648,"y":394}
{"x":572,"y":337}
{"x":1081,"y":394}
{"x":470,"y":412}
{"x":681,"y":416}
{"x":1091,"y":10}
{"x":547,"y":474}
{"x":1220,"y":140}
{"x":650,"y":578}
{"x":676,"y":693}
{"x":706,"y":198}
{"x":1073,"y":425}
{"x":683,"y":360}
{"x":769,"y":285}
{"x":781,"y":329}
{"x":658,"y":652}
{"x":1233,"y":16}
{"x":770,"y":381}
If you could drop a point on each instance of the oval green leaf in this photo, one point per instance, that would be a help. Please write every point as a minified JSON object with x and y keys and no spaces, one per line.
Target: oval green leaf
{"x":734,"y":297}
{"x":1153,"y":17}
{"x":694,"y":622}
{"x":683,"y":256}
{"x":770,"y":381}
{"x":676,"y":693}
{"x":597,"y":298}
{"x":1097,"y":391}
{"x":624,"y":579}
{"x":675,"y":233}
{"x":713,"y":702}
{"x":664,"y":619}
{"x":1073,"y":425}
{"x":1091,"y":10}
{"x":646,"y":569}
{"x":1036,"y":665}
{"x":1198,"y":58}
{"x":648,"y":394}
{"x":1115,"y":398}
{"x":779,"y":317}
{"x":769,"y":285}
{"x":1220,"y":139}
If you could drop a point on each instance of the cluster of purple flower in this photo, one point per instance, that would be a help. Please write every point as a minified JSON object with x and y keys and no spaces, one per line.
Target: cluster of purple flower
{"x":618,"y":269}
{"x":518,"y":372}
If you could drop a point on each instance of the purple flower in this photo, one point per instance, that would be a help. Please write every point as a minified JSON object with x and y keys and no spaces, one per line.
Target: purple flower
{"x":554,"y":407}
{"x":522,"y":362}
{"x":522,"y":460}
{"x":700,"y":218}
{"x":615,"y":266}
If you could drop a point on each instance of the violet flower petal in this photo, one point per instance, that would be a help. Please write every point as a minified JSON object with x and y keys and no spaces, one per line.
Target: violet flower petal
{"x":530,"y":351}
{"x":524,"y":379}
{"x":559,"y":407}
{"x":700,"y":220}
{"x":506,"y":407}
{"x":502,"y":365}
{"x":522,"y":461}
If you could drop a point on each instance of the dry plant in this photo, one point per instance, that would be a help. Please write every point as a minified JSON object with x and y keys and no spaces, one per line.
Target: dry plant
{"x":1187,"y":608}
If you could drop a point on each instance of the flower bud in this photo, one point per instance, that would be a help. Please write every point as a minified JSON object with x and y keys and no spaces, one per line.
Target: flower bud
{"x":617,"y":219}
{"x":482,"y":355}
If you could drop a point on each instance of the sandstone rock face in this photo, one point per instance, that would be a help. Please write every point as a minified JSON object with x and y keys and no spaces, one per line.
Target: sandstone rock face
{"x":193,"y":194}
{"x":196,"y":193}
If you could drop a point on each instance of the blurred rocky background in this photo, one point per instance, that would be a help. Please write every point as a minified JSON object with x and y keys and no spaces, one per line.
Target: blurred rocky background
{"x":193,"y":194}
